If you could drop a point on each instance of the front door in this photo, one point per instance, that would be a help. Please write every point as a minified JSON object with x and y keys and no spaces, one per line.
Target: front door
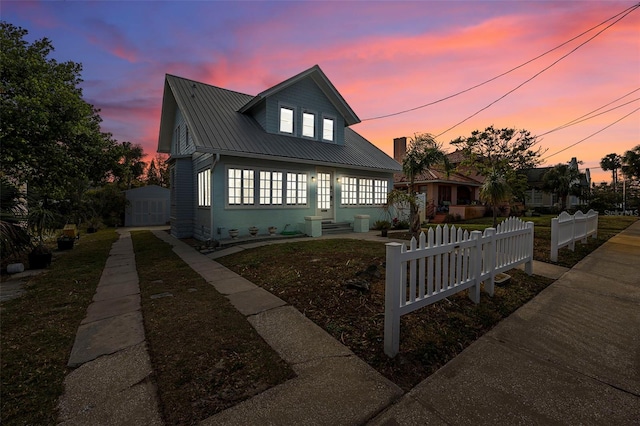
{"x":324,"y":206}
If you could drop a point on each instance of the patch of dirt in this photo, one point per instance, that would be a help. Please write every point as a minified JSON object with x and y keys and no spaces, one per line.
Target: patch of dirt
{"x":327,"y":281}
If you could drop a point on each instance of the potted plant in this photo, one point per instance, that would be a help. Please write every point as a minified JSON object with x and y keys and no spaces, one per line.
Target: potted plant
{"x":233,"y":233}
{"x":253,"y":230}
{"x":272,"y":230}
{"x":383,"y":226}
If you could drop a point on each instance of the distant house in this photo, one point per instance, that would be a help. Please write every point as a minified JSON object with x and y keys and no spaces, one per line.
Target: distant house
{"x":456,"y":192}
{"x":147,"y":206}
{"x":284,"y":158}
{"x":537,"y":197}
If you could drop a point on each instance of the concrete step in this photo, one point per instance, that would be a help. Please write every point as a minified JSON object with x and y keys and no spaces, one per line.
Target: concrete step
{"x":336,"y":228}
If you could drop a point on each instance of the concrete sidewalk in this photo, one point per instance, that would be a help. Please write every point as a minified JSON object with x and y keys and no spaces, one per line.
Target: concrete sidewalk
{"x":112,"y":384}
{"x":569,"y":356}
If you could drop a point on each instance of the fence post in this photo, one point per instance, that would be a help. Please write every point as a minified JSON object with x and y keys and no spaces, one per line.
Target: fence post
{"x":528,"y":266}
{"x":554,"y":239}
{"x":474,"y":292}
{"x":393,"y":286}
{"x":572,"y":243}
{"x":490,"y":255}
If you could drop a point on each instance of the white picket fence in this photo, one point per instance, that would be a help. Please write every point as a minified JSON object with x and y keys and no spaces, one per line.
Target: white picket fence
{"x":566,"y":229}
{"x":446,"y":261}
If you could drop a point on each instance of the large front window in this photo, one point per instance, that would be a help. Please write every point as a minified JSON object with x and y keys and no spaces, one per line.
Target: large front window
{"x":249,"y":187}
{"x":363,"y":191}
{"x":240,"y":187}
{"x":270,"y":188}
{"x":296,"y":188}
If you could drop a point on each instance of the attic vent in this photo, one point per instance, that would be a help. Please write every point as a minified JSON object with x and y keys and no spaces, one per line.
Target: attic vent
{"x":193,"y":90}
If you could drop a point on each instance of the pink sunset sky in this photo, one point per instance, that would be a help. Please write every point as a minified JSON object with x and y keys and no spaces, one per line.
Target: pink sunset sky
{"x":383,"y":57}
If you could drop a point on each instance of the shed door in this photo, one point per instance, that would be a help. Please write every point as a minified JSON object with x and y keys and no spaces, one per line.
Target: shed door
{"x":325,"y":195}
{"x":147,"y":212}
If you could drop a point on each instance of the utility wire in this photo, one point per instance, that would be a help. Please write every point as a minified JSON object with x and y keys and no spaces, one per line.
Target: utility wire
{"x":591,"y":135}
{"x":579,"y":119}
{"x":499,"y":75}
{"x":541,"y":71}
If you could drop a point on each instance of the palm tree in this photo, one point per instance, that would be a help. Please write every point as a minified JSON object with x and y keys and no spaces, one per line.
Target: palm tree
{"x":423,"y":153}
{"x":494,"y":191}
{"x":631,"y":163}
{"x":612,"y":162}
{"x":562,"y":180}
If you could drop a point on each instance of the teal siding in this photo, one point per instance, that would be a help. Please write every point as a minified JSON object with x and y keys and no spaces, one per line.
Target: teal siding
{"x":303,"y":96}
{"x":226,"y":217}
{"x":182,"y":198}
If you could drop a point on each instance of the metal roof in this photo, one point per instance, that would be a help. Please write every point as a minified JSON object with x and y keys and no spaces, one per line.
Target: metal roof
{"x":217,"y":126}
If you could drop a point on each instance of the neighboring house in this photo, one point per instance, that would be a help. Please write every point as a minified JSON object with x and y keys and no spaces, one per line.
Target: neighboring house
{"x":285,"y":158}
{"x":537,"y":197}
{"x":148,"y":206}
{"x":456,"y":192}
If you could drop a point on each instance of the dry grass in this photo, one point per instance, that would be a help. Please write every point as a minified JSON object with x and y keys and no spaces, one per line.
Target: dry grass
{"x":205,"y":355}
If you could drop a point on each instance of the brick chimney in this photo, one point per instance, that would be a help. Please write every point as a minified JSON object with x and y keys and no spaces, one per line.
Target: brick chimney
{"x":399,"y":148}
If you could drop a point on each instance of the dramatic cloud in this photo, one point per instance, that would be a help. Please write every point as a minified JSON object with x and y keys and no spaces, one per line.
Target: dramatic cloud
{"x":383,"y":58}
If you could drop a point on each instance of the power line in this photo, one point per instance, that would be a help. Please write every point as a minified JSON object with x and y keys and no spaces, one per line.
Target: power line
{"x":589,"y":115}
{"x":502,"y":74}
{"x":591,"y":135}
{"x":541,"y":71}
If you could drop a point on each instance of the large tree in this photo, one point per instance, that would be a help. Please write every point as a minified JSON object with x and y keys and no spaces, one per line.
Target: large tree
{"x":612,"y":162}
{"x":501,"y":153}
{"x":631,"y":163}
{"x":562,"y":180}
{"x":50,"y":136}
{"x":130,"y":168}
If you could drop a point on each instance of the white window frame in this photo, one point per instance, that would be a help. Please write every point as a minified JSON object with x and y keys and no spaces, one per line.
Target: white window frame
{"x":349,"y":191}
{"x":380,"y":191}
{"x":308,"y":124}
{"x":363,"y":191}
{"x":326,"y":135}
{"x":240,"y":187}
{"x":270,"y":188}
{"x":204,"y":188}
{"x":287,"y":125}
{"x":297,"y":188}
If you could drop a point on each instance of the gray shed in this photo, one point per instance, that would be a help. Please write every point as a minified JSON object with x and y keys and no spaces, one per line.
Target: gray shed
{"x":148,"y":206}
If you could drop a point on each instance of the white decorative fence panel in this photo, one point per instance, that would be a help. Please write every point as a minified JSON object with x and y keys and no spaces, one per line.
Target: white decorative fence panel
{"x":446,"y":261}
{"x":566,"y":229}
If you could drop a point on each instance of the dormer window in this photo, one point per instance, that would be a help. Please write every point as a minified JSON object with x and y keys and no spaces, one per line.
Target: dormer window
{"x":308,"y":125}
{"x":286,"y":120}
{"x":327,"y":129}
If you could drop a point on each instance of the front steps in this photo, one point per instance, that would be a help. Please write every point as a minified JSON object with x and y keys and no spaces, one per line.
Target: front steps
{"x":336,"y":228}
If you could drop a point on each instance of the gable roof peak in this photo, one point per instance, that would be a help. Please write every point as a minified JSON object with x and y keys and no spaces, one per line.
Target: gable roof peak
{"x":318,"y":76}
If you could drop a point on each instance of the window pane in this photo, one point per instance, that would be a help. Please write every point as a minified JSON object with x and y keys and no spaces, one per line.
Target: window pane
{"x":349,"y":190}
{"x":286,"y":120}
{"x":327,"y":129}
{"x":380,"y":192}
{"x":204,"y":188}
{"x":366,"y":191}
{"x":247,"y":187}
{"x":308,"y":124}
{"x":276,"y":184}
{"x":235,"y":186}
